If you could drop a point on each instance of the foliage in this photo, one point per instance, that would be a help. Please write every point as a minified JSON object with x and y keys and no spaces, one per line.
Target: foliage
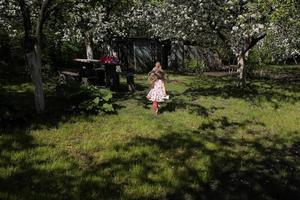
{"x":195,"y":65}
{"x":259,"y":57}
{"x":11,"y":51}
{"x":234,"y":25}
{"x":283,"y":40}
{"x":102,"y":21}
{"x":87,"y":99}
{"x":94,"y":100}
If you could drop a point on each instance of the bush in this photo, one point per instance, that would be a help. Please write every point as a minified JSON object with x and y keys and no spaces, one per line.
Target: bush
{"x":195,"y":65}
{"x":258,"y":59}
{"x":94,"y":100}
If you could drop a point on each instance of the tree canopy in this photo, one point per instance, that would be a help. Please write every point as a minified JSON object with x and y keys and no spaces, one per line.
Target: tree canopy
{"x":235,"y":26}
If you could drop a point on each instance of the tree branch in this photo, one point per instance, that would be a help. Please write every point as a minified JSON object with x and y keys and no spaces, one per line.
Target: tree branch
{"x":253,"y":42}
{"x":40,"y":22}
{"x":56,"y":7}
{"x":26,"y":18}
{"x":27,"y":25}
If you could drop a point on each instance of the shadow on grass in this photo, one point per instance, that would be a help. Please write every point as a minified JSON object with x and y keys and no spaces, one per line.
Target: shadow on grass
{"x":60,"y":105}
{"x":225,"y":124}
{"x":204,"y":165}
{"x":198,"y":164}
{"x":257,"y":92}
{"x":28,"y":175}
{"x":22,"y":115}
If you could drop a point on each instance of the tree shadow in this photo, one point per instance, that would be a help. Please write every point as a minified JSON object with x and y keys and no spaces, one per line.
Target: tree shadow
{"x":225,"y":124}
{"x":18,"y":111}
{"x":185,"y":164}
{"x":188,"y":164}
{"x":232,"y":169}
{"x":176,"y":104}
{"x":258,"y":92}
{"x":23,"y":176}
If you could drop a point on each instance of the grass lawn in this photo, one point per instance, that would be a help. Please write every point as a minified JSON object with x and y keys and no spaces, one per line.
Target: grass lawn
{"x":210,"y":141}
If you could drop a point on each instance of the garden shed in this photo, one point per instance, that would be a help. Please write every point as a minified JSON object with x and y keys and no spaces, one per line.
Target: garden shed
{"x":141,"y":53}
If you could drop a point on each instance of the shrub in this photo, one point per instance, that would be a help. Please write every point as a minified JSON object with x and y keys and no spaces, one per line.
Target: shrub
{"x":94,"y":100}
{"x":195,"y":65}
{"x":258,"y":59}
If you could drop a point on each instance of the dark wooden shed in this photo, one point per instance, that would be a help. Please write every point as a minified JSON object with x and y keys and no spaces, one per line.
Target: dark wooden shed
{"x":141,"y":53}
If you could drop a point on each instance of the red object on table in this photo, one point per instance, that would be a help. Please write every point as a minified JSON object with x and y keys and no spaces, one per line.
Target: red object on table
{"x":106,"y":59}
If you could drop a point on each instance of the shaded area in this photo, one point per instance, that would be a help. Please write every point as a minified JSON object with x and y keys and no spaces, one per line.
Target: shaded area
{"x":198,"y":164}
{"x":230,"y":175}
{"x":221,"y":158}
{"x":258,"y":92}
{"x":22,"y":114}
{"x":18,"y":111}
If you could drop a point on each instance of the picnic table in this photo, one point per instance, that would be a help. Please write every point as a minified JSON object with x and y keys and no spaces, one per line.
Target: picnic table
{"x":92,"y":71}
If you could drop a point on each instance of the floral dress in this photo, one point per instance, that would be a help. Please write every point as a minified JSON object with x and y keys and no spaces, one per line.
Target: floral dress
{"x":157,"y":93}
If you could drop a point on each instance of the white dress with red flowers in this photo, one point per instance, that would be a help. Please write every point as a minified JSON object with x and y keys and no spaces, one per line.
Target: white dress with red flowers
{"x":157,"y":93}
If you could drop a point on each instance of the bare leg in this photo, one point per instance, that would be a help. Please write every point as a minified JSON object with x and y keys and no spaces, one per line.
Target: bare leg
{"x":155,"y":107}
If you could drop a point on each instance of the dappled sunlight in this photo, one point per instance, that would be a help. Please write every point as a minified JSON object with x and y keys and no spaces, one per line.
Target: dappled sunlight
{"x":207,"y":142}
{"x":154,"y":100}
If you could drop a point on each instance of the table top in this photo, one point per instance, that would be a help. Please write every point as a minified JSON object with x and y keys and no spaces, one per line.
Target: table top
{"x":87,"y":60}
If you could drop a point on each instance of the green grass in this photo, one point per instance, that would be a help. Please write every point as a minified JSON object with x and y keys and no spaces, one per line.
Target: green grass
{"x":271,"y":69}
{"x":210,"y":141}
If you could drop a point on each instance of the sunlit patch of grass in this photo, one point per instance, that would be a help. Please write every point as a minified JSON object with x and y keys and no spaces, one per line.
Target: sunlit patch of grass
{"x":210,"y":140}
{"x":282,"y":68}
{"x":24,"y":87}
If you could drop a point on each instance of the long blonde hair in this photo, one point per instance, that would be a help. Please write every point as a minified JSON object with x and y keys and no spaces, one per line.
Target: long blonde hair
{"x":155,"y":76}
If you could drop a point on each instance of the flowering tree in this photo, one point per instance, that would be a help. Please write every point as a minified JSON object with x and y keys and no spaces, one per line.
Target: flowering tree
{"x":32,"y":42}
{"x":95,"y":21}
{"x":85,"y":23}
{"x":89,"y":20}
{"x":8,"y":30}
{"x":283,"y":39}
{"x":33,"y":15}
{"x":239,"y":24}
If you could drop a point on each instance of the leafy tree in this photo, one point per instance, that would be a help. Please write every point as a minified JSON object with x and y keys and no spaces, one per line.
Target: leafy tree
{"x":96,"y":21}
{"x":283,"y":41}
{"x":239,"y":24}
{"x":35,"y":14}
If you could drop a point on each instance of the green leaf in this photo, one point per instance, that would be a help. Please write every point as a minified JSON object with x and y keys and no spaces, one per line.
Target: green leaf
{"x":107,"y":97}
{"x":108,"y":107}
{"x":96,"y":100}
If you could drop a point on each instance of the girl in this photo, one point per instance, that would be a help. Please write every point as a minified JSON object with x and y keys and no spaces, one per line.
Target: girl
{"x":156,"y":68}
{"x":158,"y":90}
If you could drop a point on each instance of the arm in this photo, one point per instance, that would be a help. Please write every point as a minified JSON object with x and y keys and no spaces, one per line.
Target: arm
{"x":153,"y":70}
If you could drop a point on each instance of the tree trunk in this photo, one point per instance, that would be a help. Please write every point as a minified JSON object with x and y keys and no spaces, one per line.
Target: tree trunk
{"x":88,"y":46}
{"x":241,"y":70}
{"x":33,"y":52}
{"x":295,"y":60}
{"x":34,"y":62}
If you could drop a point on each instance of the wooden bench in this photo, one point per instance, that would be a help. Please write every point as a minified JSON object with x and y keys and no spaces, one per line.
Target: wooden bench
{"x":232,"y":69}
{"x":66,"y":76}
